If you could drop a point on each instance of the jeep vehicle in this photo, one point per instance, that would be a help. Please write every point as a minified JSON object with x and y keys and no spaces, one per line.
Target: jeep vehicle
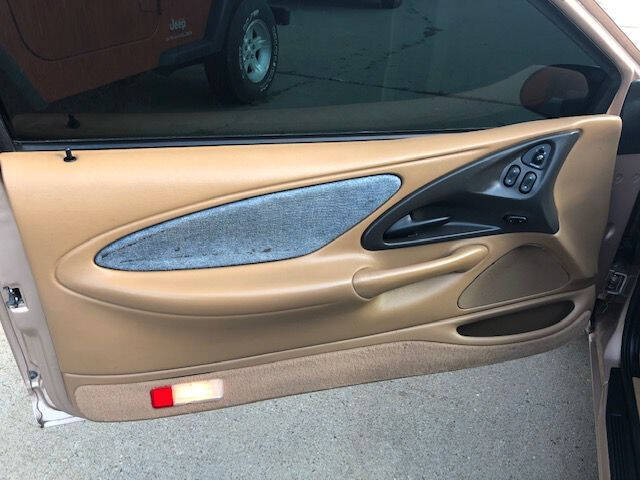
{"x":50,"y":50}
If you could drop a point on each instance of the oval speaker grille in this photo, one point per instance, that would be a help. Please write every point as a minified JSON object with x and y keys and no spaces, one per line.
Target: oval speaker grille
{"x":266,"y":228}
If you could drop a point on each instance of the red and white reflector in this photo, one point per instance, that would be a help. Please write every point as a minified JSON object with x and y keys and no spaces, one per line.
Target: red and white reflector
{"x":161,"y":397}
{"x":183,"y":393}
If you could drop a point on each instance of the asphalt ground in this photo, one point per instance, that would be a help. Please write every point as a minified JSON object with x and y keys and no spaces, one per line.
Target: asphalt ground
{"x":525,"y":419}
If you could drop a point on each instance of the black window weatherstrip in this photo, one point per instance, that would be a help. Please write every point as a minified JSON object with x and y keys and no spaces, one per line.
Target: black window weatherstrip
{"x":630,"y":138}
{"x":623,"y":418}
{"x":125,"y":143}
{"x":6,"y":144}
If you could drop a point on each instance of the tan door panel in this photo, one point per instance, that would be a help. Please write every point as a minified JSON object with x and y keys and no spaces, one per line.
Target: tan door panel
{"x":111,"y":326}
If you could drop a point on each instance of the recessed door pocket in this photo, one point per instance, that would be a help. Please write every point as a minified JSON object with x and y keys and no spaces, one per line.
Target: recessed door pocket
{"x":517,"y":323}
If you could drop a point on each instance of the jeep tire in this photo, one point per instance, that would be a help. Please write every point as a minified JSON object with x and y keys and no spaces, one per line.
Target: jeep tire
{"x":243,"y":71}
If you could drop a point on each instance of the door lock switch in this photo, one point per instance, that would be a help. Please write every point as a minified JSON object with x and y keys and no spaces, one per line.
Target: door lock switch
{"x":512,"y":175}
{"x":527,"y":182}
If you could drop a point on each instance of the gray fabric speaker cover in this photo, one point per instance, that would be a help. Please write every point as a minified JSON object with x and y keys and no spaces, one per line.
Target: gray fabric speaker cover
{"x":260,"y":229}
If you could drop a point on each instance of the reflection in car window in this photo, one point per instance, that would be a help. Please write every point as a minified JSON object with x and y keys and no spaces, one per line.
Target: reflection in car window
{"x":248,"y":68}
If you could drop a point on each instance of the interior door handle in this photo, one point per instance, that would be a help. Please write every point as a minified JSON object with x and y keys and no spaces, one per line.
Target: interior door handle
{"x":370,"y":282}
{"x":407,"y":226}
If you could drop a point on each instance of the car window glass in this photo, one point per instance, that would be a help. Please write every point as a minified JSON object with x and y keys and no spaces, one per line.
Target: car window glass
{"x":204,"y":69}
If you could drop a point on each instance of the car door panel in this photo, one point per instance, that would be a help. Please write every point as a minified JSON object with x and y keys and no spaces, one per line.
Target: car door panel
{"x":303,"y":323}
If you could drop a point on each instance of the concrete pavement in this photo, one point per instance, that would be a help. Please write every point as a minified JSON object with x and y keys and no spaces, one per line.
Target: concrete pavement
{"x":525,"y":419}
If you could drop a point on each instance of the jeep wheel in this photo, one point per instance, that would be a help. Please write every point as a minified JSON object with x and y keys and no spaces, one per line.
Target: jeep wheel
{"x":244,"y":70}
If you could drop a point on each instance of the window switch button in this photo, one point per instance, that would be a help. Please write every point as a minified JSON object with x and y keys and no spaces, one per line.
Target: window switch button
{"x":512,"y":175}
{"x":527,"y":182}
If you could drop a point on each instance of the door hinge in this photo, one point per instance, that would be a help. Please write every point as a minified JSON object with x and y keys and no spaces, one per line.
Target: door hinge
{"x":46,"y":415}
